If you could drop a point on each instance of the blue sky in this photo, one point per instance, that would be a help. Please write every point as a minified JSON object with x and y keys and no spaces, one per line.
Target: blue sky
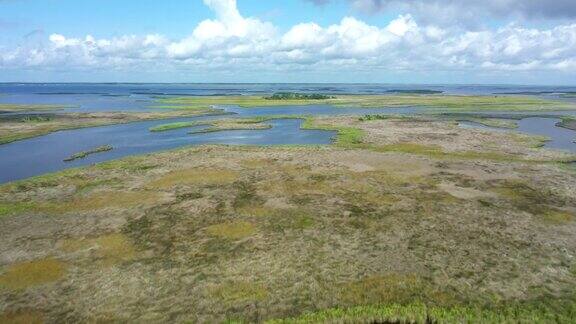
{"x":410,"y":41}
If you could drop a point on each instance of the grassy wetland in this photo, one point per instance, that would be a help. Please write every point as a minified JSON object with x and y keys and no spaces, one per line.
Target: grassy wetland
{"x":448,"y":102}
{"x":402,"y":219}
{"x":27,"y":125}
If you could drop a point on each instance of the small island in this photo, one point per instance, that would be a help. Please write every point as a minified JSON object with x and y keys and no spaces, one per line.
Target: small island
{"x":82,"y":155}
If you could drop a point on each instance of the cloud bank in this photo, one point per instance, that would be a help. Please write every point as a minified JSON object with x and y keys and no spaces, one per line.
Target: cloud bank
{"x":233,"y":42}
{"x":527,"y":8}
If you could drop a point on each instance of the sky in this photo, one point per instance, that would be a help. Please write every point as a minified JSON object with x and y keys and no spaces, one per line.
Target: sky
{"x":344,"y":41}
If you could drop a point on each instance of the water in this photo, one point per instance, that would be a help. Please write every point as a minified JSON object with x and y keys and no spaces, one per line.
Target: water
{"x":560,"y":138}
{"x":45,"y":154}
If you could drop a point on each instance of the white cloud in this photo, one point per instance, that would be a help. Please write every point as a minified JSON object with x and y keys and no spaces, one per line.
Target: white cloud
{"x":235,"y":43}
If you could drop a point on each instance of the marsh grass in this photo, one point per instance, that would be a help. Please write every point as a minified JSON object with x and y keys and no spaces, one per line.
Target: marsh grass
{"x":22,"y":317}
{"x":9,"y":209}
{"x":272,"y":232}
{"x":99,"y":201}
{"x":556,"y":216}
{"x":17,"y":107}
{"x":391,"y":288}
{"x":35,"y":119}
{"x":537,"y":201}
{"x":239,"y":292}
{"x":255,"y":210}
{"x":108,"y":249}
{"x":419,"y":313}
{"x":132,"y":164}
{"x":232,"y":231}
{"x":84,"y":154}
{"x":195,"y":177}
{"x":172,"y":126}
{"x":282,"y":220}
{"x":29,"y":274}
{"x":449,"y":102}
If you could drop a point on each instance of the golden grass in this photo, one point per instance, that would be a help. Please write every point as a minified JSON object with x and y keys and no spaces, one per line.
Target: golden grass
{"x":389,"y":289}
{"x":21,"y":317}
{"x":556,"y":216}
{"x":258,"y":163}
{"x":255,"y":211}
{"x":199,"y":177}
{"x":102,"y":200}
{"x":235,"y":292}
{"x":232,"y":231}
{"x":34,"y":273}
{"x":109,"y":249}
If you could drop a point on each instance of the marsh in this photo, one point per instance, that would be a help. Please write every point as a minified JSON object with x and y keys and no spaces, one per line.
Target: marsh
{"x":286,"y":213}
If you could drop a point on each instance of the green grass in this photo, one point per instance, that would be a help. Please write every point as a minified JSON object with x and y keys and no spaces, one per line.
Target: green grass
{"x":13,"y":208}
{"x":35,"y":119}
{"x":349,"y":137}
{"x":217,"y":125}
{"x":420,"y":314}
{"x":172,"y":126}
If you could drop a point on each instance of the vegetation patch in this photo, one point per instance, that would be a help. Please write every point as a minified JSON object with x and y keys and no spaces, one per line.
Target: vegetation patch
{"x":289,"y":220}
{"x":109,"y":249}
{"x":232,"y":231}
{"x":9,"y":209}
{"x":437,"y":152}
{"x":22,"y":317}
{"x":447,"y":102}
{"x":236,"y":292}
{"x":101,"y":200}
{"x":537,"y":201}
{"x":34,"y":273}
{"x":198,"y":177}
{"x":419,"y":313}
{"x":16,"y":107}
{"x":568,"y":122}
{"x":348,"y":137}
{"x":556,"y":216}
{"x":82,"y":155}
{"x":172,"y":126}
{"x":375,"y":117}
{"x":132,"y":164}
{"x":35,"y":119}
{"x":298,"y":96}
{"x":391,"y":289}
{"x":416,"y":91}
{"x":255,"y":210}
{"x":14,"y":130}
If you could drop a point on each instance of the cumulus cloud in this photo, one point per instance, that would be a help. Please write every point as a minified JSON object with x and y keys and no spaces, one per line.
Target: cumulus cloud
{"x":233,"y":42}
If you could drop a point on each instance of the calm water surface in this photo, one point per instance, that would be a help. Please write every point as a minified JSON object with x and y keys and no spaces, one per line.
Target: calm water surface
{"x":45,"y":154}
